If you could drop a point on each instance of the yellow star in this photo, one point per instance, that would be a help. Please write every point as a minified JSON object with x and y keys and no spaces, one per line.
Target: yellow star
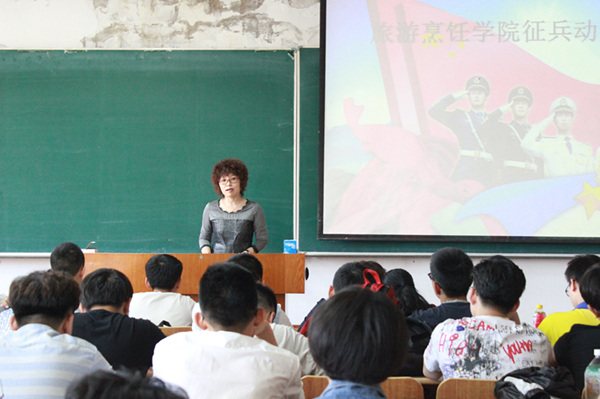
{"x":590,"y":199}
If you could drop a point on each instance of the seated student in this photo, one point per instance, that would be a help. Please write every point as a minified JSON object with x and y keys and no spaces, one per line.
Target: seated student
{"x":66,"y":257}
{"x":575,"y":349}
{"x":450,"y":274}
{"x":121,"y":385}
{"x":41,"y":358}
{"x":555,"y":325}
{"x":489,"y":344}
{"x":164,"y":303}
{"x":359,"y":338}
{"x":253,"y":265}
{"x":124,"y":341}
{"x":286,"y":337}
{"x":348,"y":274}
{"x":406,"y":293}
{"x":225,"y":359}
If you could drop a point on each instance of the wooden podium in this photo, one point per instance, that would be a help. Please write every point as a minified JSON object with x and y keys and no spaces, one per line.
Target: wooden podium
{"x":284,"y":273}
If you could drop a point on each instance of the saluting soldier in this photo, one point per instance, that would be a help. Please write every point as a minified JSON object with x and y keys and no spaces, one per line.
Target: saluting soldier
{"x":503,"y":140}
{"x":562,"y":154}
{"x":475,"y":161}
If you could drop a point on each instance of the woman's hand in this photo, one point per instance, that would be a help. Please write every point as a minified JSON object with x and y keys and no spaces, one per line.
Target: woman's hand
{"x":205,"y":250}
{"x":250,"y":250}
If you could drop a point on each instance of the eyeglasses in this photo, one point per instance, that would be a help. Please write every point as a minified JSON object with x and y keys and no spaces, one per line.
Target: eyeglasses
{"x":430,"y":276}
{"x":567,"y":289}
{"x":232,"y":180}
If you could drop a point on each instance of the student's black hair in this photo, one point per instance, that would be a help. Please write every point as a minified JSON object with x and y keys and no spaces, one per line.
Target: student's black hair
{"x":250,"y":263}
{"x":404,"y":289}
{"x":163,"y":271}
{"x":121,"y":385}
{"x":67,"y":257}
{"x":358,"y":335}
{"x":589,"y":286}
{"x":266,"y":298}
{"x":43,"y":297}
{"x":105,"y":287}
{"x":351,"y":273}
{"x":451,"y":268}
{"x":228,"y":296}
{"x":498,"y":282}
{"x":578,"y":265}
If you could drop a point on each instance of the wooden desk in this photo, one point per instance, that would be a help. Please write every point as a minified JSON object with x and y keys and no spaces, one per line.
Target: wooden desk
{"x":284,"y":273}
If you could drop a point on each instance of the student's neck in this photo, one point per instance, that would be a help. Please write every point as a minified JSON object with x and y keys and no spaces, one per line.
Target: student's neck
{"x":443,"y":298}
{"x":108,"y":308}
{"x":487,"y":311}
{"x":248,"y":330}
{"x":161,"y":290}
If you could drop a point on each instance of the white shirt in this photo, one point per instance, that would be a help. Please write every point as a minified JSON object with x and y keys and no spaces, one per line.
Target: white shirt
{"x":37,"y":361}
{"x":158,"y":306}
{"x":222,"y":364}
{"x":291,"y":340}
{"x":485,"y":347}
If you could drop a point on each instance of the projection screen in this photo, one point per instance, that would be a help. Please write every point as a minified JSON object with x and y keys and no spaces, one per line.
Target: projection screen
{"x":461,"y":119}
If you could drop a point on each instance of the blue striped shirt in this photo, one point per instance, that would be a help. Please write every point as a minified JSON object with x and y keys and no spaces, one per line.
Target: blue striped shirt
{"x":38,"y":362}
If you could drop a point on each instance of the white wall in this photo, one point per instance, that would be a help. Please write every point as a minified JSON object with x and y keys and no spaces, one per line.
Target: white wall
{"x":545,"y":280}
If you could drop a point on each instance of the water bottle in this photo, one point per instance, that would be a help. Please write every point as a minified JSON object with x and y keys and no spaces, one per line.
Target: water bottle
{"x":538,"y":315}
{"x":592,"y":377}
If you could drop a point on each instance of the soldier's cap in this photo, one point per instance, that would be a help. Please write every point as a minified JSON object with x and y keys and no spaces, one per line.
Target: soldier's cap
{"x":478,"y":82}
{"x":520,"y":93}
{"x":564,"y":104}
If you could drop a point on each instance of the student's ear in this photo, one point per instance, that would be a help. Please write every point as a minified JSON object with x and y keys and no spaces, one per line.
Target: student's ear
{"x":472,"y":296}
{"x":177,"y":285}
{"x":13,"y":322}
{"x":574,"y":286}
{"x":437,"y":289}
{"x":514,"y":308}
{"x":147,"y":283}
{"x":125,"y":308}
{"x":331,"y":291}
{"x":200,"y":321}
{"x":260,"y":317}
{"x":66,"y":327}
{"x":79,"y":276}
{"x":271,"y":316}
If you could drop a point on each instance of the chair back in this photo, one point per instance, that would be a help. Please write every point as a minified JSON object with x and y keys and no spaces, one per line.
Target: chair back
{"x":459,"y":388}
{"x":172,"y":330}
{"x":393,"y":387}
{"x":402,"y":388}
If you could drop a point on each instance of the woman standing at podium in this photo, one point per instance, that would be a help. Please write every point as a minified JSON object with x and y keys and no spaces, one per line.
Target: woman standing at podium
{"x":229,"y":224}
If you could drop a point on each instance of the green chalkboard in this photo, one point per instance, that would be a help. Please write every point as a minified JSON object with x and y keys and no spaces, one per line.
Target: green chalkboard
{"x":118,"y":146}
{"x":309,"y":192}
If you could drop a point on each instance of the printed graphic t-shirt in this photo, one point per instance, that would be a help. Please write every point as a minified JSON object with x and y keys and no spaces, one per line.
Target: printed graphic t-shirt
{"x":485,"y":347}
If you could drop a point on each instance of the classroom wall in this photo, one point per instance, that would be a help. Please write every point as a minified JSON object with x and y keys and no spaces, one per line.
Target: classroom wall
{"x":219,"y":24}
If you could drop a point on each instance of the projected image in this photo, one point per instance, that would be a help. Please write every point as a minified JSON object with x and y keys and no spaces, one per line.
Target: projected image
{"x":462,"y":118}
